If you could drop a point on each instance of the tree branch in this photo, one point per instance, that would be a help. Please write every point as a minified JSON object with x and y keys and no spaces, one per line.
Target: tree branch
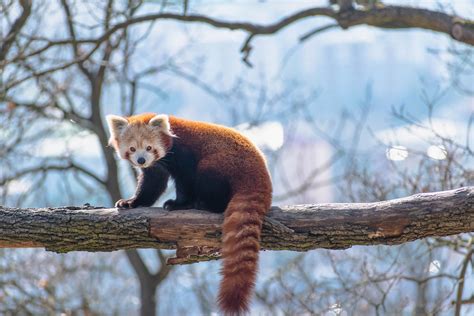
{"x":196,"y":234}
{"x":378,"y":16}
{"x":138,"y":265}
{"x":392,"y":17}
{"x":15,"y":30}
{"x":462,"y":278}
{"x":69,"y":165}
{"x":72,"y":34}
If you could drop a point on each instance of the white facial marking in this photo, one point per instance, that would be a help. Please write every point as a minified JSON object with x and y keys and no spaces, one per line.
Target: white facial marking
{"x":141,"y":144}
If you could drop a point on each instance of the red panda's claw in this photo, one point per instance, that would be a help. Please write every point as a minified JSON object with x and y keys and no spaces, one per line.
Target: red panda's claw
{"x":125,"y":203}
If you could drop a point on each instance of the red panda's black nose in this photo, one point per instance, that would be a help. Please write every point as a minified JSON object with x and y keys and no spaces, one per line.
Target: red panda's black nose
{"x":141,"y":160}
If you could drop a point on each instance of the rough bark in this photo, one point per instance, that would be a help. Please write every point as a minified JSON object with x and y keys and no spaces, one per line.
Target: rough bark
{"x":196,"y":234}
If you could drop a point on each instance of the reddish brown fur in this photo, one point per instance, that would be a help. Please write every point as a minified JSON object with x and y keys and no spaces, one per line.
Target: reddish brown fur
{"x":141,"y":135}
{"x":230,"y":154}
{"x":143,"y":118}
{"x":226,"y":152}
{"x":140,"y":121}
{"x":155,"y":153}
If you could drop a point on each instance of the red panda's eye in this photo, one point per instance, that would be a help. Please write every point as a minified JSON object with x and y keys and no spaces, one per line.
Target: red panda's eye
{"x":132,"y":149}
{"x":148,"y":148}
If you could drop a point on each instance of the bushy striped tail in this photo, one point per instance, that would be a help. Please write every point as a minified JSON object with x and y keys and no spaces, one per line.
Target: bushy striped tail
{"x":240,"y":249}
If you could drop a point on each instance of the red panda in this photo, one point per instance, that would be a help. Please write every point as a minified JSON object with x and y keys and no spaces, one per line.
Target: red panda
{"x":215,"y":168}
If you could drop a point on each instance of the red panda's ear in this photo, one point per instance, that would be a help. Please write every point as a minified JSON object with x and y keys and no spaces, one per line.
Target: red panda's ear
{"x":161,"y":122}
{"x":116,"y":125}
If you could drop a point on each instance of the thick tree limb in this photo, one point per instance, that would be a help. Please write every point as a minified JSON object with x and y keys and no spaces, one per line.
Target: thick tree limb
{"x":196,"y":234}
{"x":394,"y":17}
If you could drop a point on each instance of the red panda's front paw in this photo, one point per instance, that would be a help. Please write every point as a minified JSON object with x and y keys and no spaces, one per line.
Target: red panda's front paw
{"x":172,"y":205}
{"x":126,"y":203}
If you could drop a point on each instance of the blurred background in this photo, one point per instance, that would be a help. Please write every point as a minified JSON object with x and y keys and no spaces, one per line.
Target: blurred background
{"x":343,"y":115}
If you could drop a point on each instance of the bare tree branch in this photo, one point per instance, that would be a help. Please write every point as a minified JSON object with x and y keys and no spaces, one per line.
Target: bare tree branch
{"x":138,"y":265}
{"x":390,"y":17}
{"x":69,"y":165}
{"x":462,"y":277}
{"x":196,"y":234}
{"x":72,"y":33}
{"x":15,"y":29}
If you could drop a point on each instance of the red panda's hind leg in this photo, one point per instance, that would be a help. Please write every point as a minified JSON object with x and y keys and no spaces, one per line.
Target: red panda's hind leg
{"x":212,"y":191}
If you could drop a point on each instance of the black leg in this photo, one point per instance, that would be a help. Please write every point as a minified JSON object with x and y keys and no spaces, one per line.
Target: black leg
{"x":184,"y":197}
{"x":152,"y":182}
{"x":212,"y":192}
{"x":182,"y":165}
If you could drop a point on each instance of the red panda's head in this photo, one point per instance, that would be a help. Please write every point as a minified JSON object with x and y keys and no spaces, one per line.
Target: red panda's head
{"x":141,"y":139}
